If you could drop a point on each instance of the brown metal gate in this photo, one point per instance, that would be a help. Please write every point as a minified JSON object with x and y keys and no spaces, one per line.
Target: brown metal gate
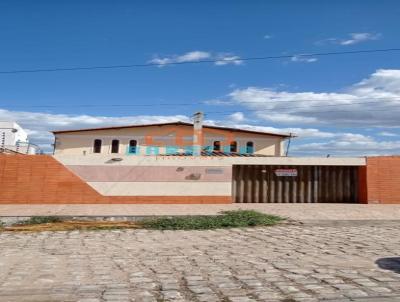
{"x":260,"y":184}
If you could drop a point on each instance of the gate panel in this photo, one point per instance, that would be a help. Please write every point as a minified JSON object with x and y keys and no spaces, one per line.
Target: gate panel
{"x":260,"y":184}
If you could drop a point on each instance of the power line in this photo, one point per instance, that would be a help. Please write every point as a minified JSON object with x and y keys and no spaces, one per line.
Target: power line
{"x":99,"y":106}
{"x":301,"y":112}
{"x":223,"y":113}
{"x":301,"y":107}
{"x":309,"y":100}
{"x":297,"y":112}
{"x":227,"y":60}
{"x":208,"y":103}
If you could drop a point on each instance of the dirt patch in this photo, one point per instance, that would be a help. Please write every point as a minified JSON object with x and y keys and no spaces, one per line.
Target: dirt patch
{"x":73,"y":225}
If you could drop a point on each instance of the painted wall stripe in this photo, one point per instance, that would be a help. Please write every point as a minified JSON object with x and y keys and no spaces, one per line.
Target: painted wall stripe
{"x":152,"y":173}
{"x":162,"y":188}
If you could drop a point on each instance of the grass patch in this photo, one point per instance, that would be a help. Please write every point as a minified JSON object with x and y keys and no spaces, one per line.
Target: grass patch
{"x":227,"y":219}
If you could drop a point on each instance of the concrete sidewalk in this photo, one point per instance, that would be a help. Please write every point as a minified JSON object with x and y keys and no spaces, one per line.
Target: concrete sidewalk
{"x":301,"y":212}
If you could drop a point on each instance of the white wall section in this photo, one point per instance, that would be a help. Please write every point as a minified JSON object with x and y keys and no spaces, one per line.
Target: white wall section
{"x":162,"y":188}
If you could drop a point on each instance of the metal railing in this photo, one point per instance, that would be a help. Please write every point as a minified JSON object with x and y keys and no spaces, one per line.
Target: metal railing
{"x":20,"y":148}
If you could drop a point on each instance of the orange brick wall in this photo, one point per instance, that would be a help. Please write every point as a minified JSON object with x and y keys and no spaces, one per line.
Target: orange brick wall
{"x":380,"y":180}
{"x":34,"y":179}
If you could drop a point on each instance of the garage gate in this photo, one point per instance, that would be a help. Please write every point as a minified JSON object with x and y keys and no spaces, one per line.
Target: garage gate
{"x":294,"y":184}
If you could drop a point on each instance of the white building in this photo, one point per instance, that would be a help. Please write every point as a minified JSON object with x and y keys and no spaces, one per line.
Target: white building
{"x":15,"y":139}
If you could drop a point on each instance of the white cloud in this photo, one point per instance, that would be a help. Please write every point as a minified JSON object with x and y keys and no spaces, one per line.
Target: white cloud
{"x":288,"y":118}
{"x":302,"y":133}
{"x":196,"y":56}
{"x":237,"y":117}
{"x":303,"y":59}
{"x":382,"y":83}
{"x":315,"y":142}
{"x":161,"y":61}
{"x":356,"y":38}
{"x":350,"y":145}
{"x":374,"y":101}
{"x":225,"y":59}
{"x":352,"y":39}
{"x":387,"y":133}
{"x":193,"y":56}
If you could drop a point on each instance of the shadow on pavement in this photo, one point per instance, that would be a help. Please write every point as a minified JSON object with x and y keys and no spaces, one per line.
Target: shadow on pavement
{"x":389,"y":263}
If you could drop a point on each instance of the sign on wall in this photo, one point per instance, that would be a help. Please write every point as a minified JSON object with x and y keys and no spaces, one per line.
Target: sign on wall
{"x":286,"y":172}
{"x":214,"y":171}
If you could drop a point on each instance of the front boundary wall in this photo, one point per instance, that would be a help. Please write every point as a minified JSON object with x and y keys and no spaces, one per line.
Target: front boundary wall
{"x":44,"y":179}
{"x":380,"y":180}
{"x":40,"y":179}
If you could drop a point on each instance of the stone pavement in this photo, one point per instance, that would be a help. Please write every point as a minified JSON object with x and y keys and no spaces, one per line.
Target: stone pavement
{"x":316,"y":211}
{"x":283,"y":263}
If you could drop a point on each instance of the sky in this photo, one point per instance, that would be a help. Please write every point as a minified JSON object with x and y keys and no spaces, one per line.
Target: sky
{"x":341,"y":105}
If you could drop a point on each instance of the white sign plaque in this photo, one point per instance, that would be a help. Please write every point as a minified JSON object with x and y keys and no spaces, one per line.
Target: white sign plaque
{"x":286,"y":172}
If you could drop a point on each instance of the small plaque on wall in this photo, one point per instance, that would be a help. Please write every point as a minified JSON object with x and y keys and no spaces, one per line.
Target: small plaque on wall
{"x":286,"y":172}
{"x":214,"y":171}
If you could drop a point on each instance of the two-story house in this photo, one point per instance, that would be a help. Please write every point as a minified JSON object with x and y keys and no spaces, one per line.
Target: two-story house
{"x":175,"y":138}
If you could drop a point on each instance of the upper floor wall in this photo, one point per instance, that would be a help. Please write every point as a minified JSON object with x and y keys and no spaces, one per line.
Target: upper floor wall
{"x":166,"y":139}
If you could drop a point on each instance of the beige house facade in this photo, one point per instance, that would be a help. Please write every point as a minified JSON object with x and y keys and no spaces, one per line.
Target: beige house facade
{"x":166,"y":139}
{"x":157,"y":163}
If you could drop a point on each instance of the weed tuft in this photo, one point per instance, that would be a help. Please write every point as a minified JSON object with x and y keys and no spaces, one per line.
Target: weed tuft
{"x":227,"y":219}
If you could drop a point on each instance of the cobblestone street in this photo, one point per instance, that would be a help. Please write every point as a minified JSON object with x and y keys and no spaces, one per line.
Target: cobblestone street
{"x":283,"y":263}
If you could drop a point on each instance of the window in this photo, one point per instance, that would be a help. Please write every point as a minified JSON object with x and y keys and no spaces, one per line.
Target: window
{"x":132,"y":146}
{"x":97,"y":146}
{"x":217,"y":146}
{"x":250,"y":147}
{"x":233,"y":147}
{"x":115,"y":146}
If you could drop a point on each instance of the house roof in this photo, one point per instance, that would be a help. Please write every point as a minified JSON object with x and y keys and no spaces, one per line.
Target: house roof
{"x":175,"y":124}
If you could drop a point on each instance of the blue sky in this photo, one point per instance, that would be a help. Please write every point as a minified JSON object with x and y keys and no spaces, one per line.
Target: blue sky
{"x":267,"y":95}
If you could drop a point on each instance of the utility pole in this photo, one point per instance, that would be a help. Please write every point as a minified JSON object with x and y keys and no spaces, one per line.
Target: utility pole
{"x":198,"y":118}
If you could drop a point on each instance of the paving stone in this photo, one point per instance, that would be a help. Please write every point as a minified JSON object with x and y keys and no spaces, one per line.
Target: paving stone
{"x":355,"y":293}
{"x":140,"y":280}
{"x":200,"y":289}
{"x":169,"y":286}
{"x":380,"y":289}
{"x":207,"y":298}
{"x":241,"y":299}
{"x":171,"y":295}
{"x":293,"y":262}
